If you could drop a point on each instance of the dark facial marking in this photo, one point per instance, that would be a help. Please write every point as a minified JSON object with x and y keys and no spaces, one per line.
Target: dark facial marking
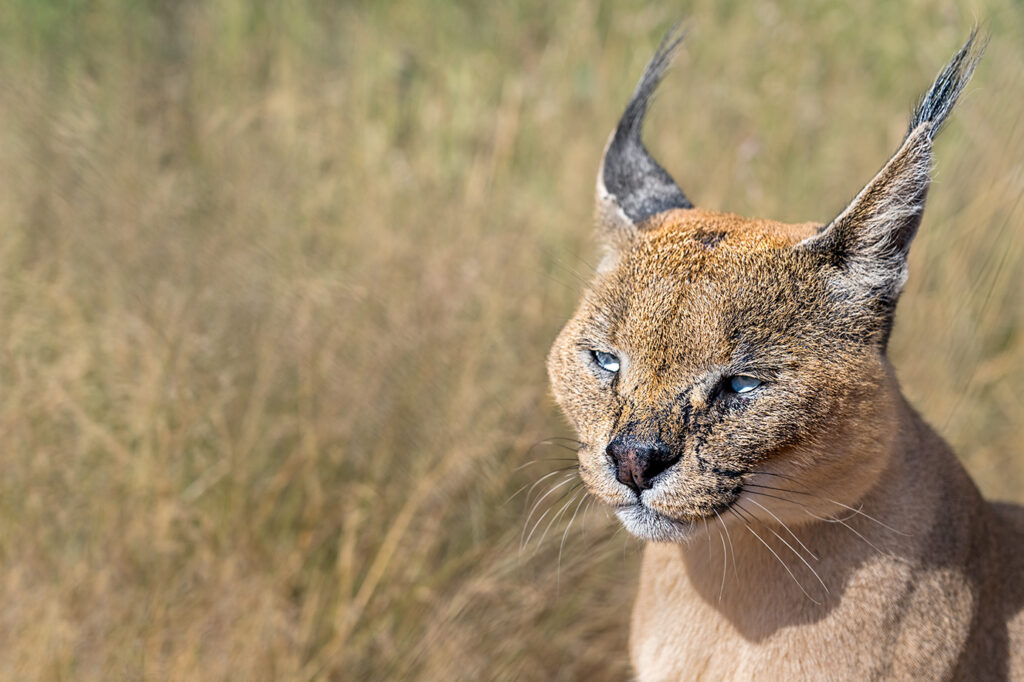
{"x":709,"y":238}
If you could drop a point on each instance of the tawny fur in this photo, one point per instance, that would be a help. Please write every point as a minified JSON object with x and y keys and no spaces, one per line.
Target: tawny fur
{"x":817,"y":528}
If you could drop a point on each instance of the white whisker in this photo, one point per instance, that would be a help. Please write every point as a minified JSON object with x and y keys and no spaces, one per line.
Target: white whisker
{"x":729,"y":537}
{"x":820,"y":497}
{"x":783,"y":563}
{"x":869,"y":543}
{"x":523,"y":544}
{"x":558,"y":515}
{"x":793,"y":535}
{"x":565,"y":534}
{"x":539,"y":481}
{"x":725,"y":565}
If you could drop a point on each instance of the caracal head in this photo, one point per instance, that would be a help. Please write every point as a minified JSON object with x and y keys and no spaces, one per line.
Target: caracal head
{"x":714,"y":354}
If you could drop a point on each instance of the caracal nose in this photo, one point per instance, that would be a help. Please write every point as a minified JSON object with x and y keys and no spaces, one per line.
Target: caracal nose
{"x":638,"y":462}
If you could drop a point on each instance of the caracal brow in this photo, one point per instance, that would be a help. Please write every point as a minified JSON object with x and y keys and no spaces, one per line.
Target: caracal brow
{"x":728,"y":380}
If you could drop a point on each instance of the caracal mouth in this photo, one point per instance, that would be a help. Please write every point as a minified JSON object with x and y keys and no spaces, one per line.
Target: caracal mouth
{"x":647,"y":524}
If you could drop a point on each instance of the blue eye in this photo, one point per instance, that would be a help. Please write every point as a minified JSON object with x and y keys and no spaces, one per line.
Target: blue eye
{"x":606,"y":361}
{"x":742,"y":384}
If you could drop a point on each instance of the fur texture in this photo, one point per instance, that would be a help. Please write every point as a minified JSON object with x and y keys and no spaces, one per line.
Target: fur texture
{"x":803,"y":522}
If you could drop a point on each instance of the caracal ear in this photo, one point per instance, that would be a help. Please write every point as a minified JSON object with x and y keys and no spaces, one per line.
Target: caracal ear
{"x":868,"y":242}
{"x":631,"y":185}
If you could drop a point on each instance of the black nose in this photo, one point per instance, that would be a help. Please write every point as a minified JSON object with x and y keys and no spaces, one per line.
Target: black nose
{"x":637,"y":462}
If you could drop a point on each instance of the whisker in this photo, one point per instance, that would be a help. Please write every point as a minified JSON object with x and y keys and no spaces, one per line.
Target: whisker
{"x":534,"y":485}
{"x":523,"y":544}
{"x":826,"y":519}
{"x":791,"y":548}
{"x":869,"y":543}
{"x":554,"y":443}
{"x":801,"y":558}
{"x":540,"y":461}
{"x":738,"y":514}
{"x":576,"y":485}
{"x":565,"y":534}
{"x":586,"y":515}
{"x":777,"y":489}
{"x":729,"y":536}
{"x":836,"y":520}
{"x":545,"y":459}
{"x":708,"y":534}
{"x":568,"y":479}
{"x":563,"y":438}
{"x":826,"y":499}
{"x":562,"y":446}
{"x":831,"y":519}
{"x":560,"y":442}
{"x":783,"y":563}
{"x":782,"y":523}
{"x":725,"y":564}
{"x":574,"y":491}
{"x":542,"y":479}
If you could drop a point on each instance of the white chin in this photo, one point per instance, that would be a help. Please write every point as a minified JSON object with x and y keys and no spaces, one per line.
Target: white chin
{"x":647,"y":524}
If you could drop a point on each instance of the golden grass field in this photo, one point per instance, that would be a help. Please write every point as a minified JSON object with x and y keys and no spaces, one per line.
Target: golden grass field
{"x":277,"y":281}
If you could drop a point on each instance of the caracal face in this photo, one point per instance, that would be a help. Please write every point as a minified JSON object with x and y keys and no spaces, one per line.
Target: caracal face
{"x":733,"y":351}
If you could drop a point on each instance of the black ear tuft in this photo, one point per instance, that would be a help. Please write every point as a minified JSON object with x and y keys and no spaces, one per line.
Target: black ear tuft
{"x":631,"y":183}
{"x":935,"y":106}
{"x":869,"y":241}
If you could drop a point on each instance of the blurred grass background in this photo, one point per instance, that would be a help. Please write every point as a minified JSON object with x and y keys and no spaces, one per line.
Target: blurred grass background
{"x":277,"y":281}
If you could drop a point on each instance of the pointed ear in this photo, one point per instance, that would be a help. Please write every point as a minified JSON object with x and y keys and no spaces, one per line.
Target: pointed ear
{"x":869,"y":241}
{"x":631,"y":185}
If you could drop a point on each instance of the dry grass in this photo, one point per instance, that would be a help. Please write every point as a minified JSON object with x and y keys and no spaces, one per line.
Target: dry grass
{"x":276,"y":288}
